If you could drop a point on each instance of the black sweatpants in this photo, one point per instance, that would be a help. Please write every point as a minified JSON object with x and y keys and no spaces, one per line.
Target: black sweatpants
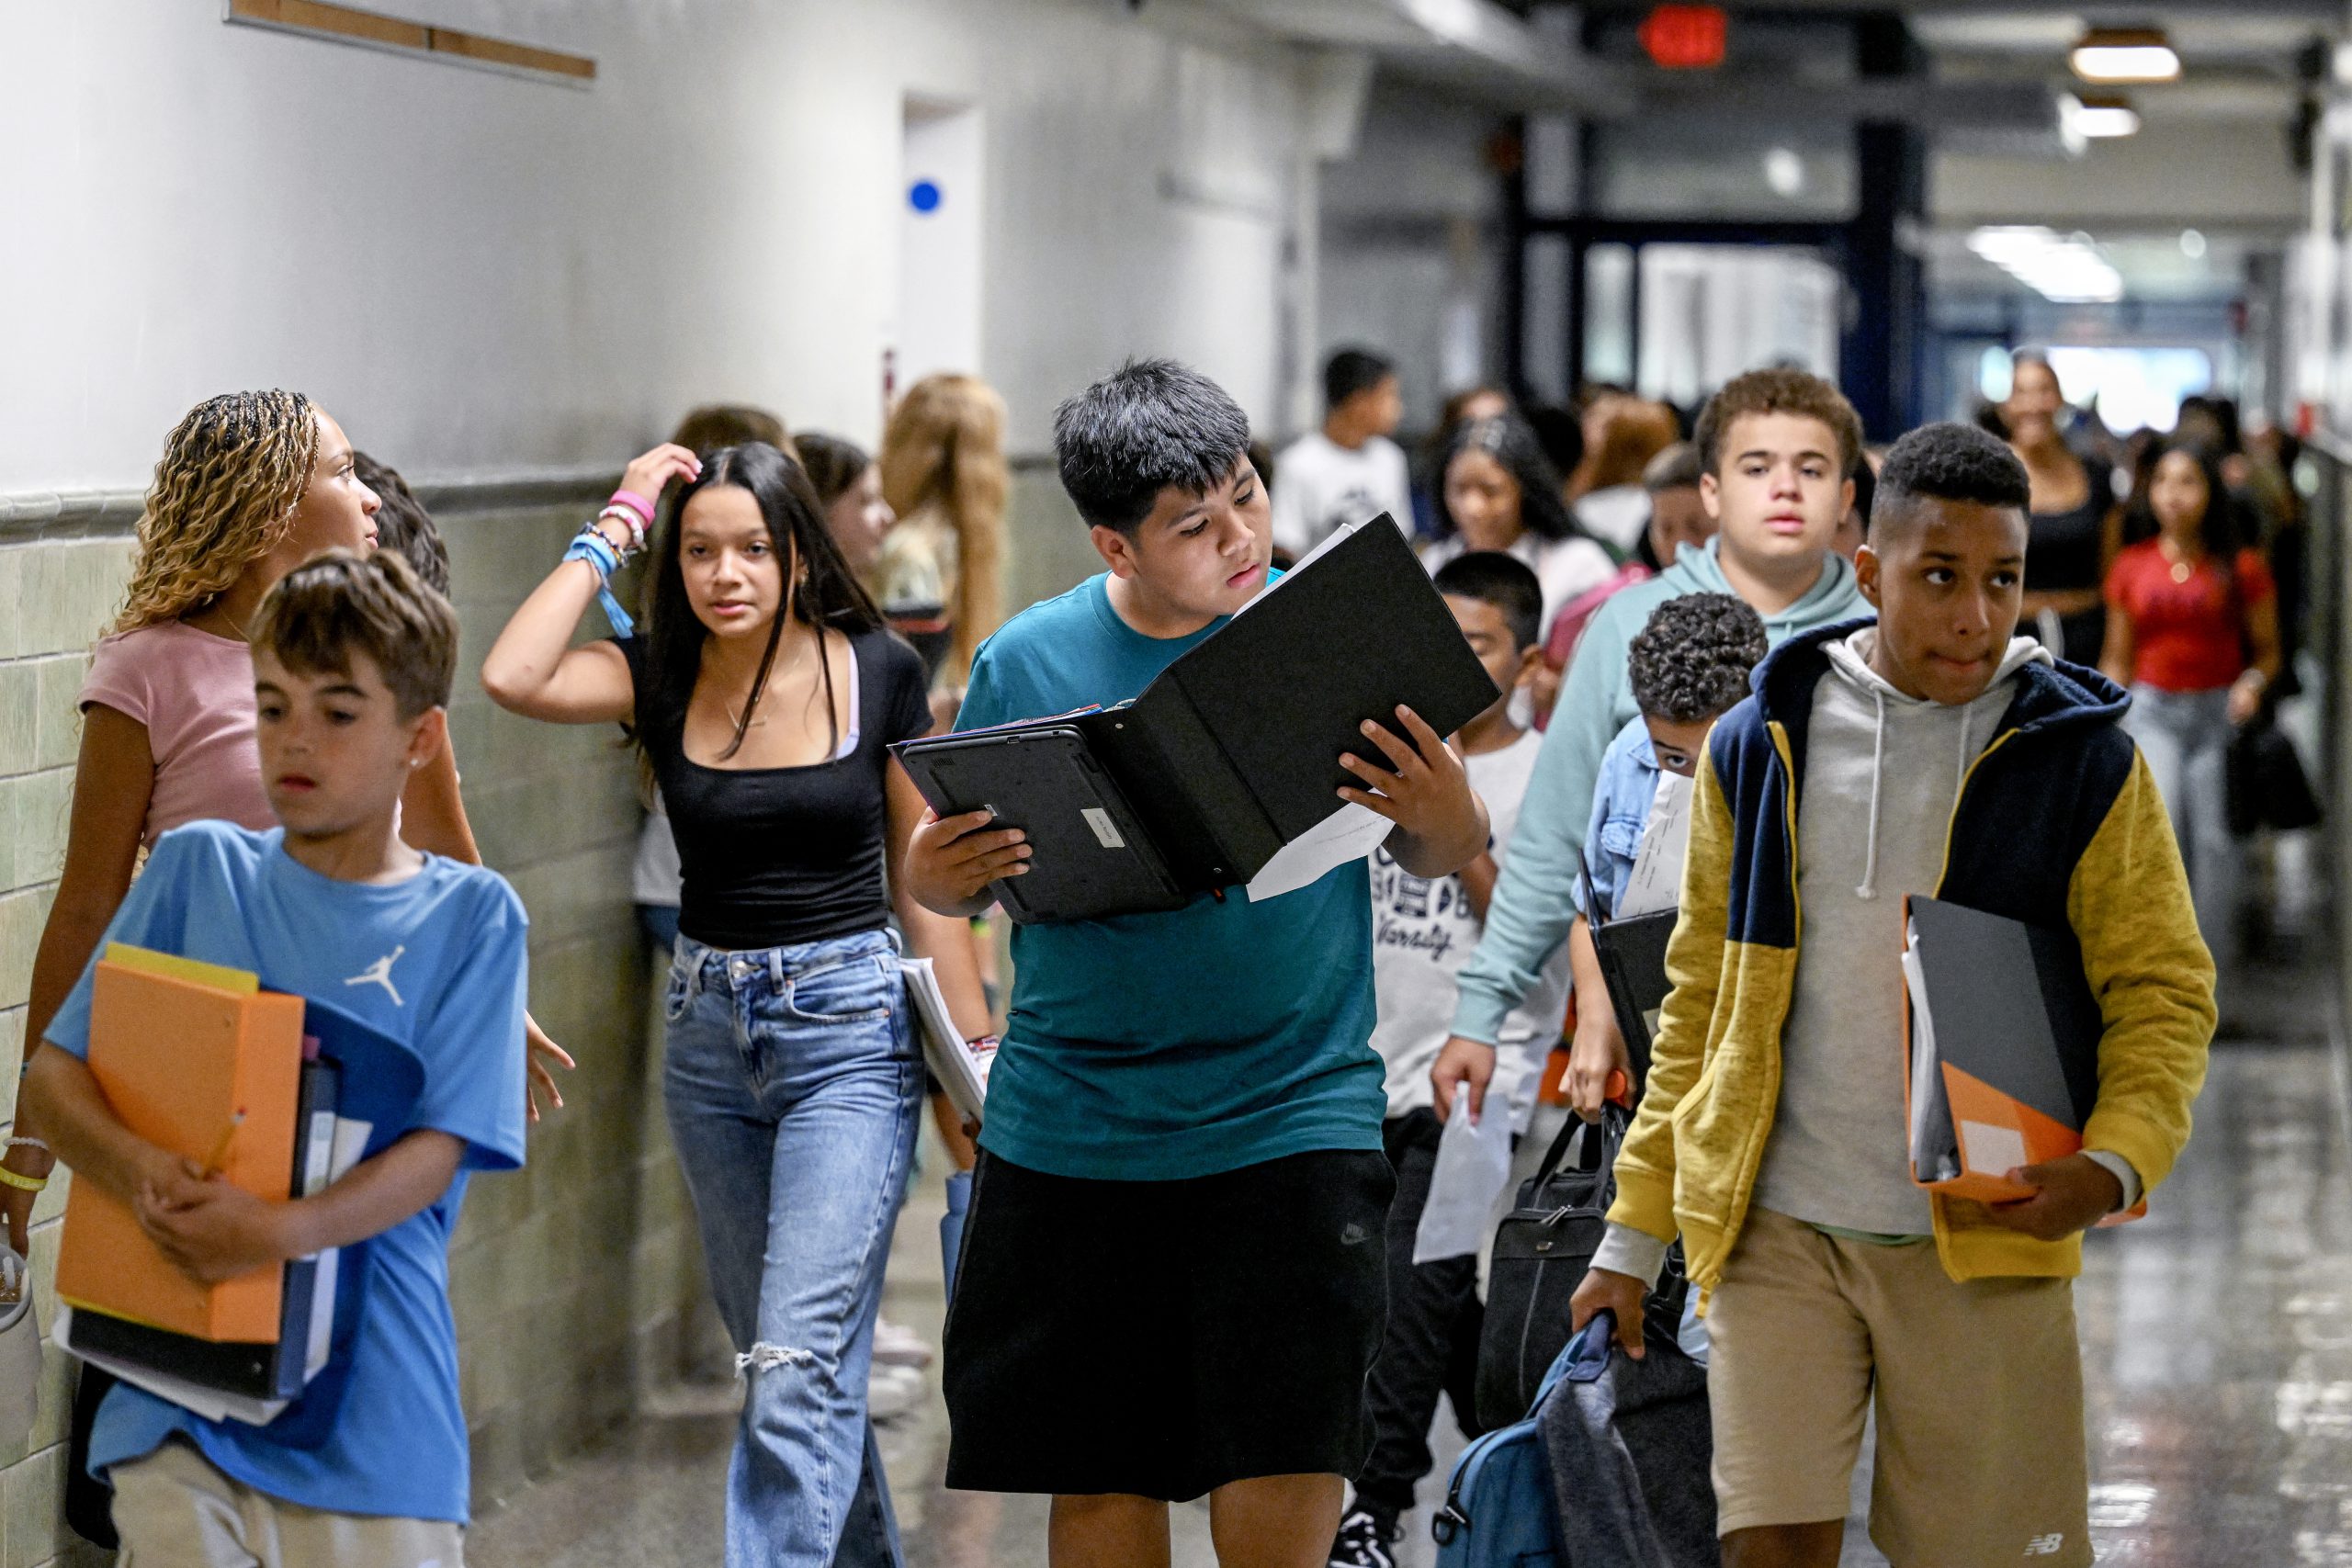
{"x":1431,"y":1345}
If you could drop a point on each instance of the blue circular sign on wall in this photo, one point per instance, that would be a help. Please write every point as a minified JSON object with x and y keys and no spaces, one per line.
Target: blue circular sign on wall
{"x":923,"y":196}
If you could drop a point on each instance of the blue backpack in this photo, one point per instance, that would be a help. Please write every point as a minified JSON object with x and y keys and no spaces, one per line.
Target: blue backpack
{"x":1499,"y":1510}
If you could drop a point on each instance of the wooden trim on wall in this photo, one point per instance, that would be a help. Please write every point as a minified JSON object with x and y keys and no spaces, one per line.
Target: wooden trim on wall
{"x":348,"y":24}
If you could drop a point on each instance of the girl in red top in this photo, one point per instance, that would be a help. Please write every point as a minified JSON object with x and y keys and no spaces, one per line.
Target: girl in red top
{"x":2192,"y":628}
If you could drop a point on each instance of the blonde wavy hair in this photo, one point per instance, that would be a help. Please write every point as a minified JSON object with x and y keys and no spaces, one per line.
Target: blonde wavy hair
{"x":224,"y":495}
{"x":945,"y":449}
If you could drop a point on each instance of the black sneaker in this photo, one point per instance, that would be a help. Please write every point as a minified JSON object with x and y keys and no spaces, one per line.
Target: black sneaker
{"x":1363,"y":1541}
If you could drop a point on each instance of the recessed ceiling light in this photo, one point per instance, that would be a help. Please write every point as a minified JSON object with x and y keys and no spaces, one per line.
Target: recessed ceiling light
{"x":2126,"y":55}
{"x":2102,"y":118}
{"x":1784,"y":171}
{"x":2192,"y":244}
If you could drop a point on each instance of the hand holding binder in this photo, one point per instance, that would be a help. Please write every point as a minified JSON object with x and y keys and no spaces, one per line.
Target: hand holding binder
{"x":1231,"y":757}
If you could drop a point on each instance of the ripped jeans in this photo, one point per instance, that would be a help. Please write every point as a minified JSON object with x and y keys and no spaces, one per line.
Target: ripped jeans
{"x":793,"y":1080}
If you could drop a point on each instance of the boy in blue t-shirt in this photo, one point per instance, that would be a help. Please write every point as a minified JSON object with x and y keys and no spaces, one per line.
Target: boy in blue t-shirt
{"x":352,"y":660}
{"x":1171,"y":1282}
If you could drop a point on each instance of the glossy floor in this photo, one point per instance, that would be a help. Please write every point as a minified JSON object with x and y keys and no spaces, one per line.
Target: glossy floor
{"x":2217,"y":1341}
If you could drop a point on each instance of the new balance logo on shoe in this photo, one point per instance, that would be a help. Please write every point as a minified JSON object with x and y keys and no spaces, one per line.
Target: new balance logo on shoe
{"x":2046,"y":1545}
{"x":380,"y":973}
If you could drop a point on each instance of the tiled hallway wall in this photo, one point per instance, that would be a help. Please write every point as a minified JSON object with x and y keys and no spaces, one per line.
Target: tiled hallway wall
{"x":576,"y":1280}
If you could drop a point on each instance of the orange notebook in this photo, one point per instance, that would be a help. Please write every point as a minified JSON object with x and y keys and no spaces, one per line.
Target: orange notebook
{"x":180,"y":1048}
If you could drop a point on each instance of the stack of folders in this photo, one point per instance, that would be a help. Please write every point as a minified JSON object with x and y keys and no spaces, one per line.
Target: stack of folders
{"x":1226,"y":770}
{"x":2004,"y":1041}
{"x":961,"y":1067}
{"x":198,"y":1059}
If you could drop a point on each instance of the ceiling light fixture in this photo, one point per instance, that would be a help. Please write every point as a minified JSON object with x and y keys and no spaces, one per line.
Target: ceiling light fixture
{"x":2064,"y":269}
{"x":2100,"y":117}
{"x":2126,"y":55}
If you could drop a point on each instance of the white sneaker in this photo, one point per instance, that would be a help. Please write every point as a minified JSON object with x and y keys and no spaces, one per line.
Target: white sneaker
{"x":893,"y":1392}
{"x":896,"y":1345}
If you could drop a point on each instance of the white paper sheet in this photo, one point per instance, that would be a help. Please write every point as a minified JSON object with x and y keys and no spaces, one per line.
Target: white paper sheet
{"x":961,"y":1071}
{"x":1655,"y":882}
{"x":1472,"y":1166}
{"x":1349,"y":833}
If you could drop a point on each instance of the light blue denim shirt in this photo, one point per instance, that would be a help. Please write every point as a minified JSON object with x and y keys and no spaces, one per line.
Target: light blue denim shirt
{"x":1621,"y":809}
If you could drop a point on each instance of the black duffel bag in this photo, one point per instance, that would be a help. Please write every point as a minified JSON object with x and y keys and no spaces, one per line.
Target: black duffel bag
{"x":1542,"y":1248}
{"x":2267,"y":784}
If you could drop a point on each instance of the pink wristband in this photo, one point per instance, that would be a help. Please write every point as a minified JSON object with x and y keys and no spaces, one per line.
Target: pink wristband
{"x":635,"y":504}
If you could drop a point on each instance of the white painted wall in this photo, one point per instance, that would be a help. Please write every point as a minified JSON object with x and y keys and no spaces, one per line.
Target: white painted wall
{"x":478,"y":272}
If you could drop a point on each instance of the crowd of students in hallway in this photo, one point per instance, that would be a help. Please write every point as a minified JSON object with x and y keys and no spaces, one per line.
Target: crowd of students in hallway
{"x":1188,"y":1268}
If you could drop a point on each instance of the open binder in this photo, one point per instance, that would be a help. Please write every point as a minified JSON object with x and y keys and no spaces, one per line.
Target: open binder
{"x":1232,"y":755}
{"x":2004,"y":1037}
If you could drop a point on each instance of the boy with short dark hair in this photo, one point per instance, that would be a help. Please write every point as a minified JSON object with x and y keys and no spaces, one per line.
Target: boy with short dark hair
{"x":1171,"y":1282}
{"x":1930,"y":753}
{"x":1775,"y":448}
{"x":352,"y":660}
{"x":1422,"y":930}
{"x":1350,"y":470}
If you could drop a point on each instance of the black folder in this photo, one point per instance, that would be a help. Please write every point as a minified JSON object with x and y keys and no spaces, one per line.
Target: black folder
{"x":251,"y":1371}
{"x":1230,"y":753}
{"x":1633,"y":964}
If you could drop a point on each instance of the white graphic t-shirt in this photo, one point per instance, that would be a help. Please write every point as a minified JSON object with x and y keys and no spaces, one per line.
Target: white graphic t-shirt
{"x":1423,"y":932}
{"x":1320,"y":485}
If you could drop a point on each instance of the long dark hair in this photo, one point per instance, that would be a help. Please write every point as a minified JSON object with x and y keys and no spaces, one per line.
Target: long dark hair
{"x":1511,"y":441}
{"x":820,"y":590}
{"x":2218,"y":535}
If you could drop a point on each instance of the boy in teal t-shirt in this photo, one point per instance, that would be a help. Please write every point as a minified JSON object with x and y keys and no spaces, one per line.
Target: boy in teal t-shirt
{"x":352,"y":660}
{"x":1171,"y":1282}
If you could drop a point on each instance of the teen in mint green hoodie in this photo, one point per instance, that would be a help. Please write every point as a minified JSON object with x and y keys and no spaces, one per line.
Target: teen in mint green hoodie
{"x":1778,"y":447}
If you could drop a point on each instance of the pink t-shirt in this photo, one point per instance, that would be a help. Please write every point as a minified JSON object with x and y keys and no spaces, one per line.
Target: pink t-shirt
{"x":195,"y":694}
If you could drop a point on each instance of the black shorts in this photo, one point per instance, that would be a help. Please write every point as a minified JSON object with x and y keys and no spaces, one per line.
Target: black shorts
{"x":1162,"y":1338}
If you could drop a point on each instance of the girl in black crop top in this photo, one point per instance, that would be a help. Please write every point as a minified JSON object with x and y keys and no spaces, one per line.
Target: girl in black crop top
{"x":765,"y":693}
{"x":2073,"y":528}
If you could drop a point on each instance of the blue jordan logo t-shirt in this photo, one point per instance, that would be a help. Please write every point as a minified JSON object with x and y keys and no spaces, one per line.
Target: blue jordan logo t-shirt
{"x":437,"y":962}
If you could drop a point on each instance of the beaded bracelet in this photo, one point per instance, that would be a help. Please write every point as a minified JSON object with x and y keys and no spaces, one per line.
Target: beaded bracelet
{"x":630,"y":525}
{"x":28,"y":1144}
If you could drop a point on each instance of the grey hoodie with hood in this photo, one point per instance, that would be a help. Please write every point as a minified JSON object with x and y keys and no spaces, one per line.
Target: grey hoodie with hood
{"x":1883,"y":773}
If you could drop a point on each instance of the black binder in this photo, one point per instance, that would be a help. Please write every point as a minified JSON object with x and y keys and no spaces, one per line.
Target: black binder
{"x":251,"y":1371}
{"x":1633,"y":962}
{"x":1230,"y":753}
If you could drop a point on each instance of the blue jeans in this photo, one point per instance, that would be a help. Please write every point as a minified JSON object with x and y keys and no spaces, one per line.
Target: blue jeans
{"x":2185,"y":735}
{"x":793,"y":1082}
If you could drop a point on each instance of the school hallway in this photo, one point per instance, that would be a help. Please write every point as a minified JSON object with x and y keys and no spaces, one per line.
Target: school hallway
{"x":2217,"y":1343}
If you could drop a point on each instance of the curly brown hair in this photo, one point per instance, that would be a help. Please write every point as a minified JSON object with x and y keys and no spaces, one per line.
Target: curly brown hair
{"x":233,"y":471}
{"x":1780,"y":390}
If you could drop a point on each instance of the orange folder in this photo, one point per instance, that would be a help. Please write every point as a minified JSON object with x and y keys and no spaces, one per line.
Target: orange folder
{"x":179,"y":1049}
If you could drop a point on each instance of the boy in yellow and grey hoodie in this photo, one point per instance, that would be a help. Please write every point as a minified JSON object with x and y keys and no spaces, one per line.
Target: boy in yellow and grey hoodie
{"x":1929,"y":753}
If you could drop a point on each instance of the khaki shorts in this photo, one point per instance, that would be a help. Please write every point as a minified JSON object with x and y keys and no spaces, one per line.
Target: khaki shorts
{"x":174,"y":1509}
{"x":1978,"y":1389}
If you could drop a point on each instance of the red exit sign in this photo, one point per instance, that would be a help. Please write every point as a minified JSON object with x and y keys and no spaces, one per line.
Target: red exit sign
{"x":1685,"y":38}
